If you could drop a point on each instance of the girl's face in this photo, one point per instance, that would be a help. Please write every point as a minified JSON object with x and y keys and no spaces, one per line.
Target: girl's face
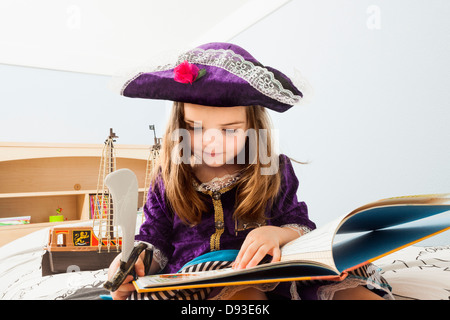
{"x":217,"y":134}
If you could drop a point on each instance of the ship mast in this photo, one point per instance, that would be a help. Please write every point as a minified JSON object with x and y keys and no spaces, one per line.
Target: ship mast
{"x":151,"y":162}
{"x":104,"y":209}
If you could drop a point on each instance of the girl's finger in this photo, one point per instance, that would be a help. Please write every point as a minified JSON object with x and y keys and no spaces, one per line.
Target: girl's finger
{"x":139,"y":267}
{"x":248,"y":255}
{"x":114,"y":266}
{"x":276,"y":254}
{"x":124,"y":290}
{"x":258,"y":256}
{"x":241,"y":253}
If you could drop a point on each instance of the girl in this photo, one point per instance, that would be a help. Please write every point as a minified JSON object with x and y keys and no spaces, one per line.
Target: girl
{"x":220,"y":196}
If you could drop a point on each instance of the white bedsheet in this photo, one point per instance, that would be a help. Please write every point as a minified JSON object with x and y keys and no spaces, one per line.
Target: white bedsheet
{"x":414,"y":272}
{"x":21,"y":274}
{"x":421,"y":273}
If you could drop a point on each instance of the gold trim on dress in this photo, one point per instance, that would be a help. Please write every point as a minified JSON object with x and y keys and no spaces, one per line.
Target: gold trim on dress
{"x":219,"y":221}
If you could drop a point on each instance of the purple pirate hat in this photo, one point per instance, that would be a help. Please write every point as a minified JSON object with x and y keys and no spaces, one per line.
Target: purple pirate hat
{"x":215,"y":74}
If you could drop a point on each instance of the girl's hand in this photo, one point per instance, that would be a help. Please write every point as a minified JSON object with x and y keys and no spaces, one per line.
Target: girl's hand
{"x":260,"y":242}
{"x":126,"y":288}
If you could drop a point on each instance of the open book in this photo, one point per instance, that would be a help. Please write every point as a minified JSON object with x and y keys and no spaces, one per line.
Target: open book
{"x":330,"y":252}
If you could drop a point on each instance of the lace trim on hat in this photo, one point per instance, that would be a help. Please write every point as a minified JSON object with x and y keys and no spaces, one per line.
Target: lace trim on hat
{"x":258,"y":77}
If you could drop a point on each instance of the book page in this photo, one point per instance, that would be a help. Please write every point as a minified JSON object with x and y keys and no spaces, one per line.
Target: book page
{"x":314,"y":246}
{"x":426,"y":199}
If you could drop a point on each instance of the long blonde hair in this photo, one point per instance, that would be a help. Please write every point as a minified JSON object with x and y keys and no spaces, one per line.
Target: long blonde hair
{"x":254,"y":192}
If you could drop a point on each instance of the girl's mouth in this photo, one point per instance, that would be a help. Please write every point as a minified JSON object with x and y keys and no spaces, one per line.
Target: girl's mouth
{"x":212,"y":154}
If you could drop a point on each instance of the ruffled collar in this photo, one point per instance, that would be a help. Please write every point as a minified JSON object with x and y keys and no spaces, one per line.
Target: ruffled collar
{"x":216,"y":183}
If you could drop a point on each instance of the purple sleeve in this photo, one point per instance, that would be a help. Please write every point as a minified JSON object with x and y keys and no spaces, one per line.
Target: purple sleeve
{"x":286,"y":208}
{"x":158,"y":225}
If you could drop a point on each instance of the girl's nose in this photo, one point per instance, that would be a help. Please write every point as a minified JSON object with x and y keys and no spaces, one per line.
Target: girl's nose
{"x":212,"y":138}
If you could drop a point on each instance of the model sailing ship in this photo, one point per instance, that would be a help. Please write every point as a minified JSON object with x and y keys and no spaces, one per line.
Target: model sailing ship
{"x":92,"y":247}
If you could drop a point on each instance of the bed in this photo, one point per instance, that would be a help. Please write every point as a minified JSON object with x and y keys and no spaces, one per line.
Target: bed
{"x":420,"y":272}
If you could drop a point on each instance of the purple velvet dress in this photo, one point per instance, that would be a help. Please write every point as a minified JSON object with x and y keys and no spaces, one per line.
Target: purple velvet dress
{"x":180,"y":243}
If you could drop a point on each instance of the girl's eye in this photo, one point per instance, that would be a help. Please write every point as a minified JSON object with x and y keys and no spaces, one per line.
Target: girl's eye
{"x":229,"y":131}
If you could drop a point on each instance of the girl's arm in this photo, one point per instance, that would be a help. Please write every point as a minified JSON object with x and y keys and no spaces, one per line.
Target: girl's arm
{"x":262,"y":241}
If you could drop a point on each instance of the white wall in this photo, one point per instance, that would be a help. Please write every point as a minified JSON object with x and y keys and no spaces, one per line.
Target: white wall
{"x":379,"y":122}
{"x":378,"y":125}
{"x":38,"y":105}
{"x":98,"y":36}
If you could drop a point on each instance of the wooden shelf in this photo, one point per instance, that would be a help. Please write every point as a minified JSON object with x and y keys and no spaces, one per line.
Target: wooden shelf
{"x":23,"y":150}
{"x":39,"y":178}
{"x":45,"y":194}
{"x":50,"y":194}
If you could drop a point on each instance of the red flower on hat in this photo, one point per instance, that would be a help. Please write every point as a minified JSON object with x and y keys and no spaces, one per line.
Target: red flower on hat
{"x":187,"y":72}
